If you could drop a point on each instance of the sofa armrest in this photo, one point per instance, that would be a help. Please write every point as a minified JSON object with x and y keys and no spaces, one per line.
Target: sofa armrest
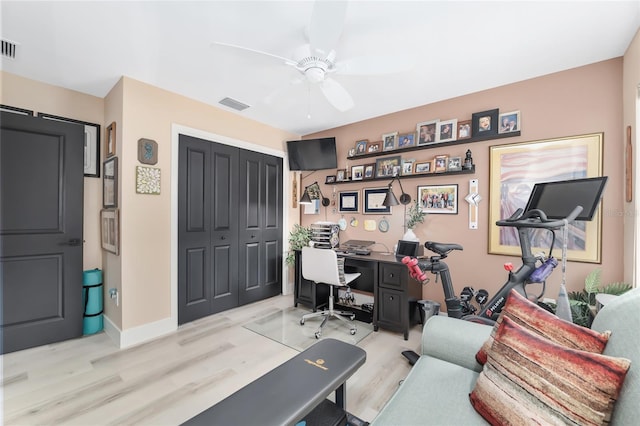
{"x":454,"y":340}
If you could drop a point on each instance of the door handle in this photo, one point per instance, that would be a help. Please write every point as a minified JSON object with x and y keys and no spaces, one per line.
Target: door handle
{"x":223,"y":238}
{"x":73,"y":242}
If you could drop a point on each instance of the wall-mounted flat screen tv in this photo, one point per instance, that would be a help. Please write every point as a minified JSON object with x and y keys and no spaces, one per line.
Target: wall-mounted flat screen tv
{"x":312,"y":154}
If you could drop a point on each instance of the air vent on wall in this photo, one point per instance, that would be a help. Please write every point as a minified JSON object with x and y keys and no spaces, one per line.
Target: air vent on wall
{"x":8,"y":49}
{"x":232,"y":103}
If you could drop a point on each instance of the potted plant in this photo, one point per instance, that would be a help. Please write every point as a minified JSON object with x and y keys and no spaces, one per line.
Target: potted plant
{"x":414,"y":217}
{"x":299,"y":237}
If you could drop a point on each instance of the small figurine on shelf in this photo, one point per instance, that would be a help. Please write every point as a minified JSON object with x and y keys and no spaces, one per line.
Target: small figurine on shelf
{"x":468,"y":161}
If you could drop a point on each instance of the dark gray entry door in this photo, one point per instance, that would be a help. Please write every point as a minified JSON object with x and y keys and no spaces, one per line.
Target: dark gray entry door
{"x":229,"y":227}
{"x":41,"y":196}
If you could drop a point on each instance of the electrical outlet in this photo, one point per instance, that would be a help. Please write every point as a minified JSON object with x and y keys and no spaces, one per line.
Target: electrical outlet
{"x":114,"y":294}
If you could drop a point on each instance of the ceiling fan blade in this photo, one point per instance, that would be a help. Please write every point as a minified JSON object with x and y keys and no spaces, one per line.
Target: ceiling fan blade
{"x":325,"y":27}
{"x":260,"y":52}
{"x":375,"y":65}
{"x":337,"y":95}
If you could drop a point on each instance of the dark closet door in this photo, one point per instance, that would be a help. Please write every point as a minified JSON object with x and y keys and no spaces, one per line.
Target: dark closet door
{"x":260,"y":208}
{"x":41,"y":189}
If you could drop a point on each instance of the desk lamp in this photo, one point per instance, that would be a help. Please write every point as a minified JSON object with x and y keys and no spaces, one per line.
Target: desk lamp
{"x":391,"y":200}
{"x":312,"y":192}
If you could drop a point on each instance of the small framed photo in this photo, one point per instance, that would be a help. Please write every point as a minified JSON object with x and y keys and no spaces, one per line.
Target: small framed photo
{"x":389,"y":141}
{"x":427,"y":132}
{"x":388,"y":166}
{"x":147,"y":151}
{"x":407,"y":140}
{"x":509,"y":122}
{"x":464,"y":129}
{"x":341,"y":175}
{"x":357,"y":172}
{"x":110,"y":183}
{"x":110,"y":230}
{"x":348,"y":201}
{"x":374,"y":147}
{"x":424,"y":167}
{"x":438,"y":199}
{"x":330,"y":179}
{"x":369,"y":171}
{"x":407,"y":167}
{"x":352,"y":152}
{"x":446,"y":130}
{"x":484,"y":123}
{"x":373,"y":199}
{"x":361,"y":147}
{"x":454,"y":164}
{"x":440,"y":163}
{"x":110,"y":140}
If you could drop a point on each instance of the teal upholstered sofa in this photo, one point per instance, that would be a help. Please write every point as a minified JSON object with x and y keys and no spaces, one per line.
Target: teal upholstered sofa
{"x":436,"y":391}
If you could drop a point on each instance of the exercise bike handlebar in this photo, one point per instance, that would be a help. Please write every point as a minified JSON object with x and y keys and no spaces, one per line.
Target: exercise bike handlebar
{"x":536,"y":218}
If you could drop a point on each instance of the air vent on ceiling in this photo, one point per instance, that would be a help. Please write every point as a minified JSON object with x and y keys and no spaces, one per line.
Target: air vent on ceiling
{"x":9,"y":49}
{"x":232,"y":103}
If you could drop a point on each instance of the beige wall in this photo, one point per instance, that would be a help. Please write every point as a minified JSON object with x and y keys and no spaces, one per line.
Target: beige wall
{"x":579,"y":101}
{"x":149,"y":112}
{"x":631,"y":114}
{"x":40,"y":97}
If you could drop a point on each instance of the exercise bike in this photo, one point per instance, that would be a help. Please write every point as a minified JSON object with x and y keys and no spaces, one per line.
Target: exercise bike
{"x":528,"y":273}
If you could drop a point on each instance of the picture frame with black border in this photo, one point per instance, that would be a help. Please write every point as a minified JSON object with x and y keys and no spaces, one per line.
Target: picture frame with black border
{"x":406,"y":140}
{"x":330,"y":179}
{"x":388,"y":166}
{"x":389,"y":141}
{"x":426,"y":132}
{"x":16,"y":110}
{"x":369,"y":171}
{"x":373,"y":199}
{"x":91,"y":143}
{"x":484,"y":123}
{"x":509,"y":122}
{"x":454,"y":164}
{"x":357,"y":172}
{"x":349,"y":201}
{"x":446,"y":130}
{"x":110,"y":183}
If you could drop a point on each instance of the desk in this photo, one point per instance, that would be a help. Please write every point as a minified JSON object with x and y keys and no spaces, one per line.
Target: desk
{"x":384,"y":276}
{"x":290,"y":391}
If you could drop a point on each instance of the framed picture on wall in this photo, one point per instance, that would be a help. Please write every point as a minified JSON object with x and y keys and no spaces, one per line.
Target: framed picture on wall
{"x":110,"y":183}
{"x":349,"y":201}
{"x":442,"y":199}
{"x":373,"y":199}
{"x":91,"y":143}
{"x":509,"y":122}
{"x":110,"y":230}
{"x":110,"y":140}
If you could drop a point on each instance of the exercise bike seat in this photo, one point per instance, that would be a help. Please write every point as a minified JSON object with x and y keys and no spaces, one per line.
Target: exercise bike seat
{"x":441,"y":248}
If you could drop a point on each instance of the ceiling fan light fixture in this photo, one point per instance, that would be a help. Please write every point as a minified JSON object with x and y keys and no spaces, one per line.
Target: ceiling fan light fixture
{"x":314,"y":74}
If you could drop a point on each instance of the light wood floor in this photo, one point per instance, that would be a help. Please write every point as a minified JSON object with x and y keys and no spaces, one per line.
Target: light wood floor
{"x":89,"y":381}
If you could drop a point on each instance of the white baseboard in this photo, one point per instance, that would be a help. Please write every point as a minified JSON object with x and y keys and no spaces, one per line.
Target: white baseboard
{"x":137,"y":335}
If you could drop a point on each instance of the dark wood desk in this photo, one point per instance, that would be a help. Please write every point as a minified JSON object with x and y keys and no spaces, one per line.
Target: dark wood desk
{"x":384,"y":276}
{"x":290,"y":391}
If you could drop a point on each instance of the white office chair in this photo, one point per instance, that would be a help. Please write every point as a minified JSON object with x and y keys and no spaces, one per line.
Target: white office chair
{"x":323,"y":266}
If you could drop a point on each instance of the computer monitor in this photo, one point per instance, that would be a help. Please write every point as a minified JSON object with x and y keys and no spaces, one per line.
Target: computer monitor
{"x":558,"y":199}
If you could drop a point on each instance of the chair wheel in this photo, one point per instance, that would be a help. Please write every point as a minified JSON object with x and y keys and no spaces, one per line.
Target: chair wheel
{"x":352,"y":317}
{"x":302,"y":321}
{"x":353,"y":331}
{"x":318,"y":334}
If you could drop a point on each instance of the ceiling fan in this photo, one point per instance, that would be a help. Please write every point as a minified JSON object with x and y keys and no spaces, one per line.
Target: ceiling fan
{"x":316,"y":60}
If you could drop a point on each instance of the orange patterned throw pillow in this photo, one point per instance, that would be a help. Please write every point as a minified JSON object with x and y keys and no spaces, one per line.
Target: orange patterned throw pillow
{"x":544,"y":323}
{"x":530,"y":380}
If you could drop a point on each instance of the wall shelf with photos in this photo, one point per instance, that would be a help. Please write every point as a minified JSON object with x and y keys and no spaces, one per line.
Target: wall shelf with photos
{"x":435,"y":145}
{"x":472,"y":170}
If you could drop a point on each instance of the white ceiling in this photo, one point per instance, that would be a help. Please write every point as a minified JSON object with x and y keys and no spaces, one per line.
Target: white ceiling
{"x":457,"y":48}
